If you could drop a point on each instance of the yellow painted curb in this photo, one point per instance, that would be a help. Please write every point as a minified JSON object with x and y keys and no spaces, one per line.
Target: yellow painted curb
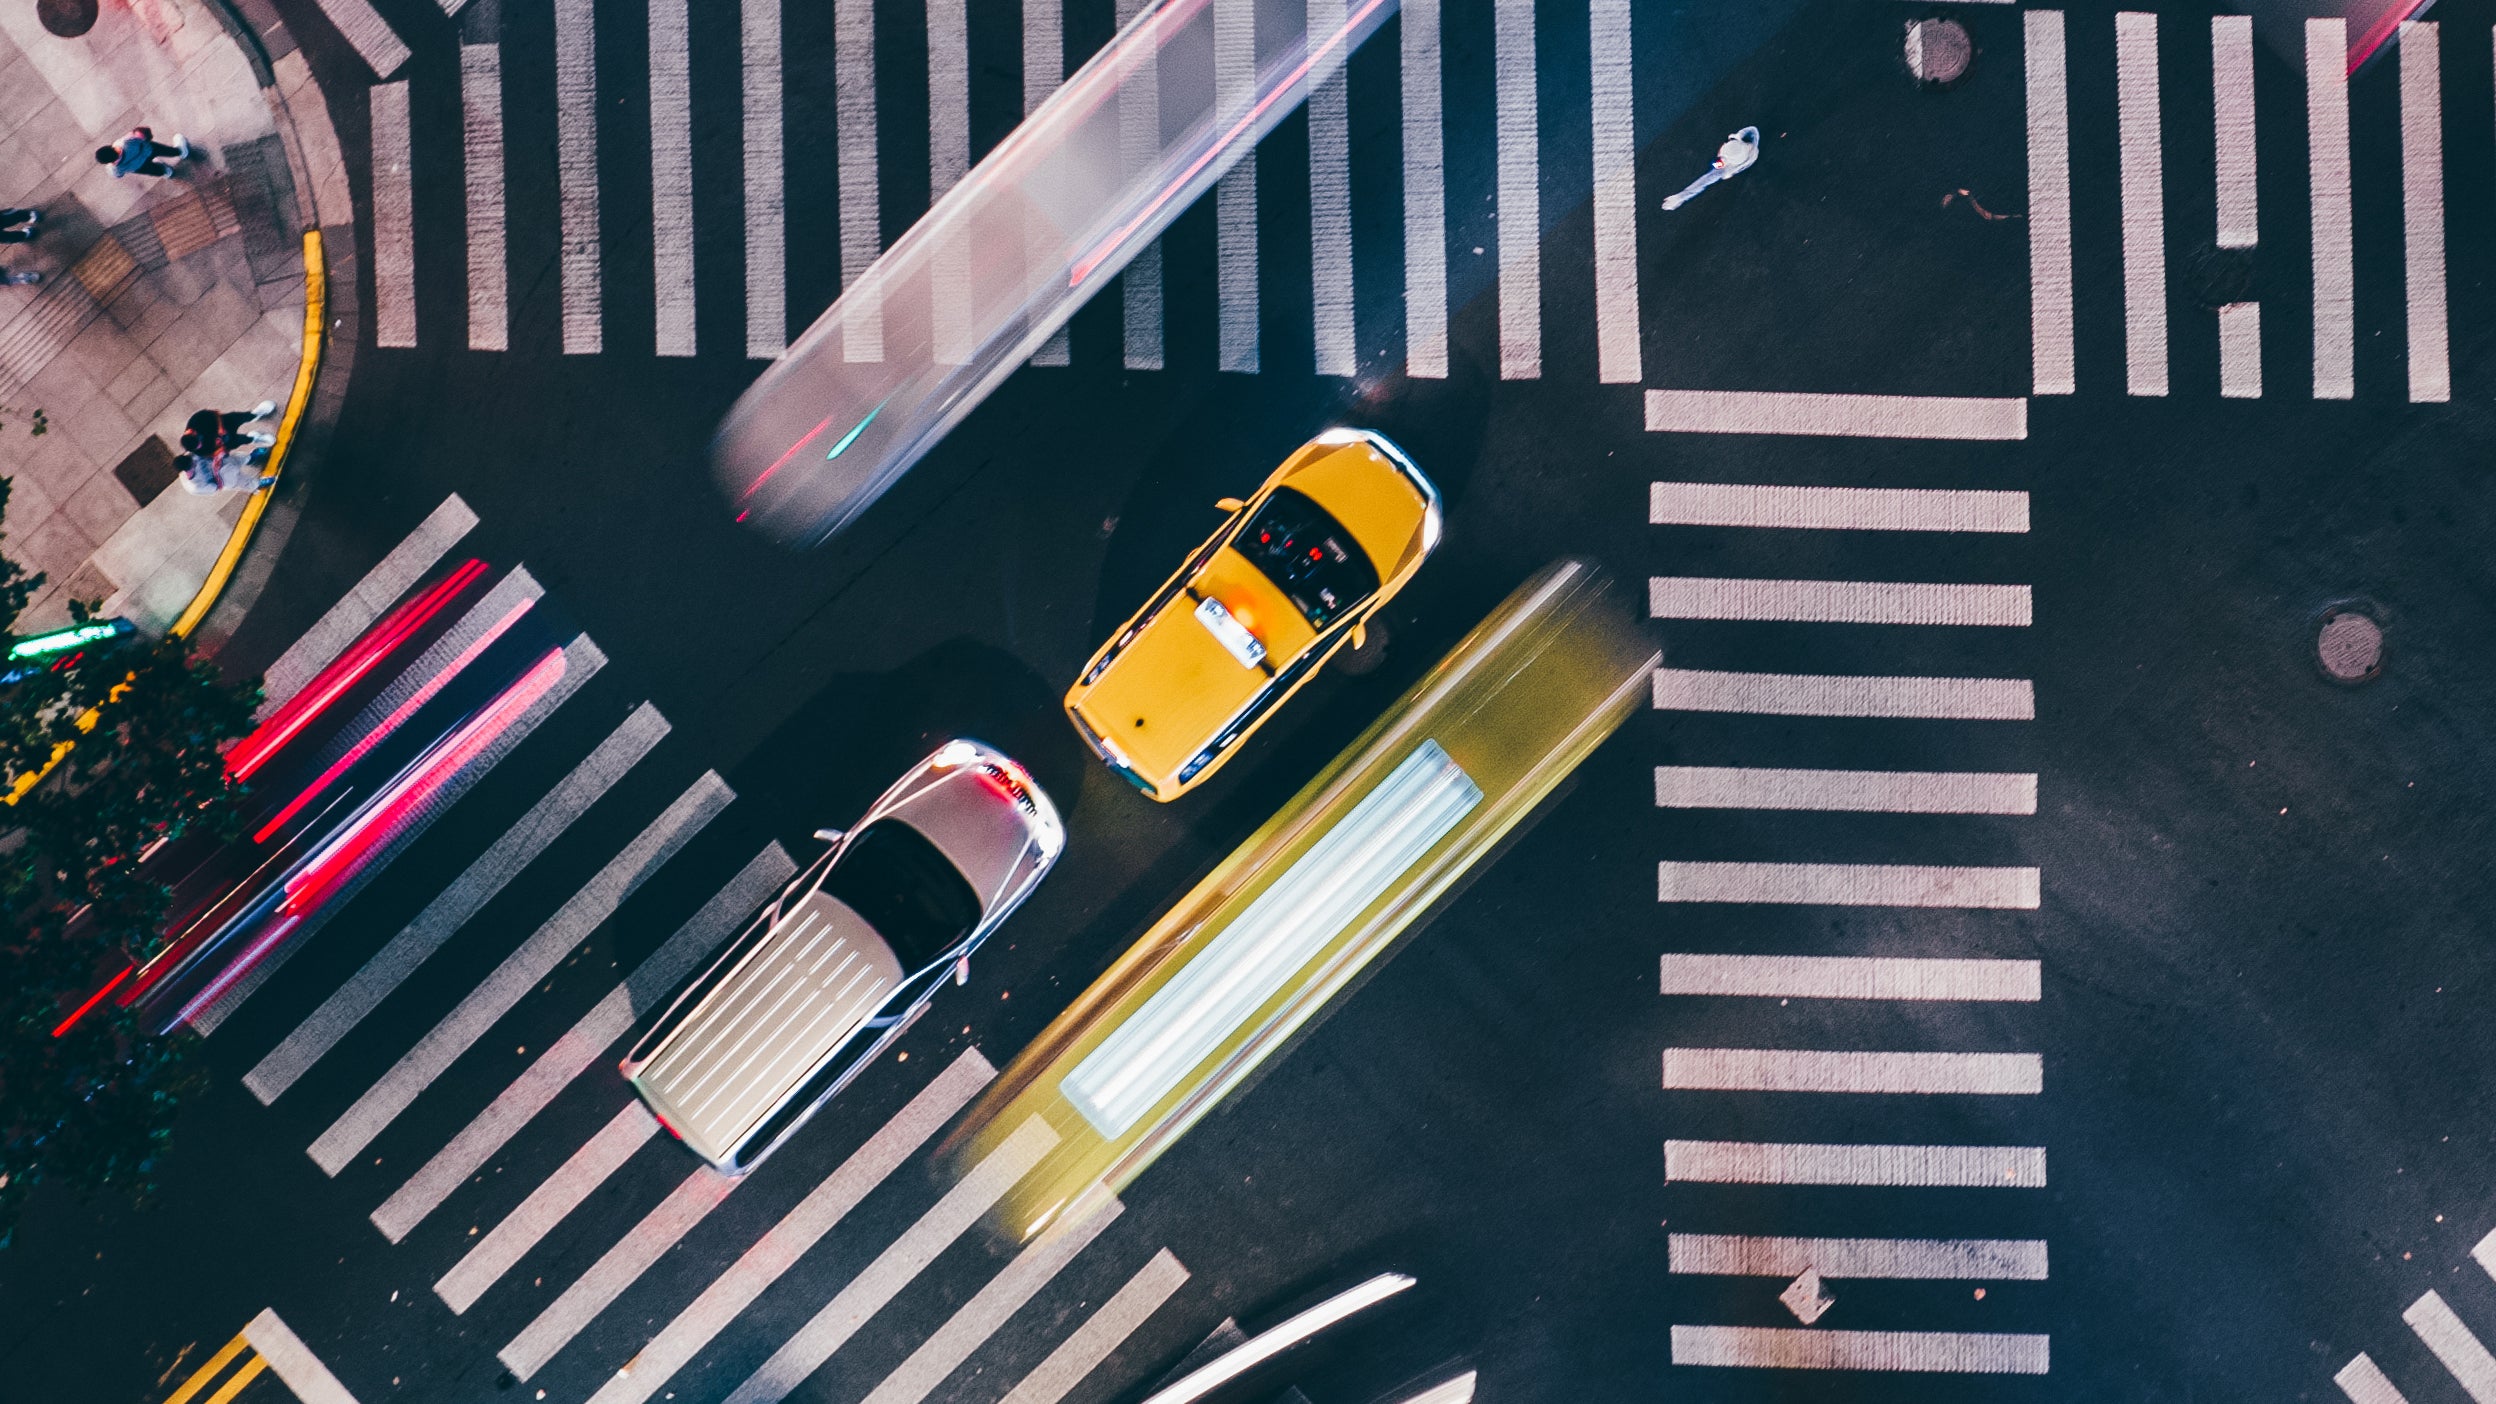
{"x":315,"y":326}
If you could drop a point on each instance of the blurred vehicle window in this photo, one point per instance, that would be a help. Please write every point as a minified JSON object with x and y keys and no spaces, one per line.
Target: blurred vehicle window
{"x":1308,"y":555}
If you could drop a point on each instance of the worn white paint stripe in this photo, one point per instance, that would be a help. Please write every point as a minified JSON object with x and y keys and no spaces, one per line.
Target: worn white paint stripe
{"x":494,"y":997}
{"x":1862,"y":791}
{"x":1836,"y":508}
{"x":2231,"y":82}
{"x":1139,"y":143}
{"x":1844,"y":416}
{"x":2464,"y":1356}
{"x":1788,"y":1163}
{"x":766,"y":215}
{"x":489,"y":253}
{"x":1425,"y":194}
{"x":1829,"y":1070}
{"x":854,"y":132}
{"x":2422,"y":213}
{"x":582,"y":660}
{"x":394,"y":218}
{"x":2335,"y":256}
{"x":1330,"y":208}
{"x":729,"y":1294}
{"x":1106,"y":1329}
{"x":1789,"y":1348}
{"x":671,"y":175}
{"x":293,"y":1362}
{"x":2364,"y":1383}
{"x":1851,"y":977}
{"x":1847,"y":884}
{"x":2052,"y":366}
{"x":1457,"y":1389}
{"x":1615,"y":205}
{"x":580,"y":1047}
{"x":2484,"y":1252}
{"x":1520,"y":205}
{"x":368,"y":34}
{"x":388,"y":968}
{"x":948,"y":160}
{"x":546,"y":1206}
{"x":1808,"y":695}
{"x":979,"y":1318}
{"x":1916,"y":1259}
{"x":897,"y":1266}
{"x":407,"y":563}
{"x":2240,"y":351}
{"x":1235,"y":197}
{"x":1044,"y":66}
{"x":576,"y":175}
{"x":1836,"y":601}
{"x":2144,"y":204}
{"x":666,"y":1225}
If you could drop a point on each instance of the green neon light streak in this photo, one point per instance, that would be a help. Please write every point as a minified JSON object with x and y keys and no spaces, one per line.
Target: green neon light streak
{"x":63,"y":640}
{"x":852,"y":436}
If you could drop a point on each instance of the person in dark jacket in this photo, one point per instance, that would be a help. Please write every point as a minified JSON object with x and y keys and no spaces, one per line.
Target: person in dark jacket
{"x":208,"y":433}
{"x":140,"y":153}
{"x":19,"y":226}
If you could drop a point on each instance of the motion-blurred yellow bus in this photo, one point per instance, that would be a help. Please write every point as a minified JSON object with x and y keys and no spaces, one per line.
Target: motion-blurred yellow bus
{"x":1291,"y":918}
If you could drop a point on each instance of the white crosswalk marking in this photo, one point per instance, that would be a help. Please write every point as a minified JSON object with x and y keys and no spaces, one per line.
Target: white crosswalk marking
{"x":2240,"y":351}
{"x":948,"y":160}
{"x":1836,"y":508}
{"x":481,"y":139}
{"x":394,"y":217}
{"x":592,"y":1035}
{"x":368,"y":34}
{"x":1769,"y":1163}
{"x":576,"y":174}
{"x":1330,"y":207}
{"x":1235,"y":195}
{"x":2231,"y":83}
{"x":1862,"y":791}
{"x":1837,"y":601}
{"x":546,"y":1206}
{"x":671,"y":175}
{"x":2144,"y":204}
{"x":666,"y":1225}
{"x":2462,"y":1353}
{"x":1139,"y":140}
{"x":293,"y":1362}
{"x":862,"y":213}
{"x":2422,"y":212}
{"x":1847,"y":884}
{"x":1787,"y":1348}
{"x":417,"y":552}
{"x":1104,"y":1330}
{"x":1851,"y":977}
{"x":523,"y":968}
{"x":1806,"y":695}
{"x":1520,"y":206}
{"x":1616,"y":194}
{"x":2052,"y":364}
{"x":1008,"y":1292}
{"x":2335,"y":257}
{"x":2364,"y":1383}
{"x":801,"y":1228}
{"x":1923,"y":1259}
{"x":1844,"y":416}
{"x":635,"y":737}
{"x":1425,"y":194}
{"x":1816,"y":1070}
{"x":766,"y":217}
{"x":2484,"y":1253}
{"x":1044,"y":67}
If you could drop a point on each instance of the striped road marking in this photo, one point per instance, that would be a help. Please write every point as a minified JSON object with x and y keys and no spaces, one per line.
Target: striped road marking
{"x":1841,"y":416}
{"x":489,"y":250}
{"x":2484,"y":1252}
{"x":1786,"y":1348}
{"x":2144,"y":213}
{"x":1139,"y":144}
{"x":494,"y":997}
{"x":1044,"y":67}
{"x":1835,"y":508}
{"x":1810,"y":695}
{"x":595,"y":1032}
{"x":2231,"y":75}
{"x":1235,"y":196}
{"x":1848,"y":885}
{"x":671,"y":175}
{"x":1425,"y":194}
{"x":2049,"y":205}
{"x":2364,"y":1383}
{"x":1851,"y":977}
{"x":666,"y":1225}
{"x":1007,"y":1293}
{"x":547,"y":1205}
{"x":1330,"y":207}
{"x":766,"y":221}
{"x":862,"y":214}
{"x":1837,"y":601}
{"x":293,"y":1362}
{"x":798,"y":1230}
{"x":1106,"y":1329}
{"x":1817,"y":1070}
{"x":1920,"y":1259}
{"x":948,"y":160}
{"x":2422,"y":213}
{"x":1616,"y":195}
{"x":2240,"y":351}
{"x":369,"y":35}
{"x":2462,"y":1353}
{"x":576,"y":173}
{"x":417,"y":552}
{"x":2335,"y":258}
{"x":1520,"y":192}
{"x":394,"y":218}
{"x":1912,"y":1167}
{"x":1860,"y":791}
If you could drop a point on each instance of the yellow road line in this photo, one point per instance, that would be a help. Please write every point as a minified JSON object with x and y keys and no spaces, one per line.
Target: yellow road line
{"x":207,"y":1372}
{"x":241,"y":1378}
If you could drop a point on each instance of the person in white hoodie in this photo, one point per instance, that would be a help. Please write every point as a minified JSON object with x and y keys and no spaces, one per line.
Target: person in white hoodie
{"x":1740,"y":151}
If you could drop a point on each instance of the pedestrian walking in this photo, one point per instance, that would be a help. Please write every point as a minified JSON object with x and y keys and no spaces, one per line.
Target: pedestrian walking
{"x":140,"y":153}
{"x":20,"y":226}
{"x":15,"y":278}
{"x":209,"y":474}
{"x":208,"y":433}
{"x":1738,"y":153}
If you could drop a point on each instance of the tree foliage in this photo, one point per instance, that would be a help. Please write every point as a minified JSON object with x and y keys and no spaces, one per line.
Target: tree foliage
{"x":93,"y":1107}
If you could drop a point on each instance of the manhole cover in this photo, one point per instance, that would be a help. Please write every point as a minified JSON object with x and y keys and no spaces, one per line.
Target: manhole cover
{"x":2350,"y":646}
{"x":66,"y":18}
{"x":1938,"y":50}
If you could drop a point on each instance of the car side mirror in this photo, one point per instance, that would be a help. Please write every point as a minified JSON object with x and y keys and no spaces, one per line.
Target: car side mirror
{"x":828,"y":835}
{"x":1228,"y":504}
{"x":962,"y":971}
{"x":1360,"y":634}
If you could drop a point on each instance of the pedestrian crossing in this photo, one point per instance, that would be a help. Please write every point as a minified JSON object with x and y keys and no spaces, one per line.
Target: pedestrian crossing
{"x":2453,"y":1349}
{"x":545,"y":1328}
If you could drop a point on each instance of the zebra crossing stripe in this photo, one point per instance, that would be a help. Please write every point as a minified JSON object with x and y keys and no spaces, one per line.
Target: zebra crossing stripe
{"x":1044,"y":67}
{"x":1836,"y":508}
{"x":1789,"y":1348}
{"x":368,"y":34}
{"x":2144,"y":204}
{"x":394,"y":217}
{"x":576,"y":174}
{"x":766,"y":215}
{"x":1907,"y":1259}
{"x":489,"y":247}
{"x":1844,"y":416}
{"x":2240,"y":351}
{"x":2335,"y":258}
{"x":2052,"y":364}
{"x":1821,"y":1070}
{"x":546,"y":1206}
{"x":2464,"y":1356}
{"x":666,"y":1225}
{"x":1837,"y":601}
{"x":671,"y":176}
{"x":1914,"y":1167}
{"x":1857,"y":791}
{"x":295,"y":1365}
{"x":1330,"y":207}
{"x":1615,"y":202}
{"x":1235,"y":195}
{"x":1851,"y":977}
{"x":417,"y":552}
{"x":1425,"y":194}
{"x":1848,"y":884}
{"x":1106,"y":1329}
{"x":948,"y":160}
{"x":854,"y":134}
{"x":1520,"y":235}
{"x":1808,"y":695}
{"x":1139,"y":144}
{"x":2422,"y":213}
{"x":2231,"y":82}
{"x":2364,"y":1383}
{"x":1005,"y":1294}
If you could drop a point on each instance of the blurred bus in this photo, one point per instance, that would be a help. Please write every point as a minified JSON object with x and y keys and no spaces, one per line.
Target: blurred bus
{"x":1288,"y":921}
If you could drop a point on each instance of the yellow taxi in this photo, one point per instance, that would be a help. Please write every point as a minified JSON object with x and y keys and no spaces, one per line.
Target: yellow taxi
{"x":1290,"y":579}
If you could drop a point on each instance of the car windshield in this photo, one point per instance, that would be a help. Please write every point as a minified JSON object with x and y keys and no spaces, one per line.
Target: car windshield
{"x":1308,"y":555}
{"x":910,"y":893}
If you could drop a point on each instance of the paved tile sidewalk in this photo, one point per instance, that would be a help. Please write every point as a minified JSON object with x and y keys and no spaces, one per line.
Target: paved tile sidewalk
{"x":160,"y":297}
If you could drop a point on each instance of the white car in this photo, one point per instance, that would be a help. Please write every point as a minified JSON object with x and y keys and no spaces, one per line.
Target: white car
{"x":828,"y":975}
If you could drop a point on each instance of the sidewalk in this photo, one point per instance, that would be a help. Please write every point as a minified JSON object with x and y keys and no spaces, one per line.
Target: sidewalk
{"x":160,"y":297}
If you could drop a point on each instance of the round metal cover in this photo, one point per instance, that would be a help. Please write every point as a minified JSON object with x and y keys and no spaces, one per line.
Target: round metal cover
{"x":2349,"y":647}
{"x":1938,"y":50}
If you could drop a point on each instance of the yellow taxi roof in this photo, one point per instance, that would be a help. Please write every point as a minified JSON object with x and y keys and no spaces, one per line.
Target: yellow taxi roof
{"x":1359,"y":488}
